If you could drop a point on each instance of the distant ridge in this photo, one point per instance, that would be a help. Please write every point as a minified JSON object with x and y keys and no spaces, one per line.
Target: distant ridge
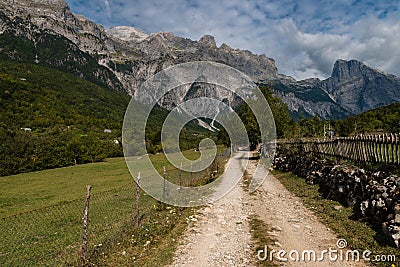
{"x":122,"y":58}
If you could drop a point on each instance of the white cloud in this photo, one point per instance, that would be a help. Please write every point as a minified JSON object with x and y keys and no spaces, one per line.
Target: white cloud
{"x":305,"y":39}
{"x":373,"y":41}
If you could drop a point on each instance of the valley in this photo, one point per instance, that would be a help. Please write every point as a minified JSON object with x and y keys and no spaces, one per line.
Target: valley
{"x":75,"y":188}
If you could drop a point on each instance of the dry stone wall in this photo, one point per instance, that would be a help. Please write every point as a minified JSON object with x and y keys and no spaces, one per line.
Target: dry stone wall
{"x":375,"y":195}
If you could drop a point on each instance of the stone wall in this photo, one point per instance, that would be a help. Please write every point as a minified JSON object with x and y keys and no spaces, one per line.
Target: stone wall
{"x":375,"y":195}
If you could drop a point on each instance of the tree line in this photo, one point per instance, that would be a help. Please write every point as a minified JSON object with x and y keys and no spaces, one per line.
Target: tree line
{"x":384,"y":119}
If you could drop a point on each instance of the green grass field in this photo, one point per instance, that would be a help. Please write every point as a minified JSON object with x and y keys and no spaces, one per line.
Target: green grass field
{"x":41,"y":216}
{"x":30,"y":191}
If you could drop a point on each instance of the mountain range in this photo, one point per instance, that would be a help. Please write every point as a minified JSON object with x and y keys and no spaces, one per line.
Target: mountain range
{"x":47,"y":33}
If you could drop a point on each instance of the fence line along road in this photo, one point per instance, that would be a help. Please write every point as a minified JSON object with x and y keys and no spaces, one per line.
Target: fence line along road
{"x":377,"y":148}
{"x":54,"y":235}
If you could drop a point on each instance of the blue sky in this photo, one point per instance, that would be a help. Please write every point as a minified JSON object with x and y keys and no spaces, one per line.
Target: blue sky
{"x":304,"y":37}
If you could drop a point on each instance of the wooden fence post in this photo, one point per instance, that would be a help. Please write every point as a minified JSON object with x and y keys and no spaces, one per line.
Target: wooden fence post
{"x":191,"y":173}
{"x":165,"y":182}
{"x":392,"y":145}
{"x":396,"y":136}
{"x":370,"y":150}
{"x":216,"y":163}
{"x":136,"y":216}
{"x":383,"y":148}
{"x":375,"y":145}
{"x":180,"y":177}
{"x":373,"y":148}
{"x":85,"y":225}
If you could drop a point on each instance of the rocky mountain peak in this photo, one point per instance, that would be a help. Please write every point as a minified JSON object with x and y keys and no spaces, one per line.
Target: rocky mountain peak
{"x":36,"y":8}
{"x":345,"y":69}
{"x":139,"y":54}
{"x":359,"y":88}
{"x":123,"y":57}
{"x":226,"y":47}
{"x":208,"y":40}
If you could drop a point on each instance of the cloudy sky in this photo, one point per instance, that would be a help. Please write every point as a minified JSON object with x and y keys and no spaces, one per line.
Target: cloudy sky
{"x":304,"y":37}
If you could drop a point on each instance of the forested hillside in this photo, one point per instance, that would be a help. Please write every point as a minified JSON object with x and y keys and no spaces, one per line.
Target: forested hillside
{"x":64,"y":119}
{"x":50,"y":119}
{"x":385,"y":119}
{"x":381,"y":120}
{"x":285,"y":126}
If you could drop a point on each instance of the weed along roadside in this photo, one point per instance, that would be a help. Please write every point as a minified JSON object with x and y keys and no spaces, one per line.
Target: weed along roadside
{"x":50,"y":226}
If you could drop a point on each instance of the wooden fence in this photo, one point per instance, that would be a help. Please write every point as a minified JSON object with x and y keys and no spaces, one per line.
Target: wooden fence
{"x":384,"y":148}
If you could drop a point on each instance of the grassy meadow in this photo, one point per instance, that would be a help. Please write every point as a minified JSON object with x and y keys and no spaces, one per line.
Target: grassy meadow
{"x":41,"y":216}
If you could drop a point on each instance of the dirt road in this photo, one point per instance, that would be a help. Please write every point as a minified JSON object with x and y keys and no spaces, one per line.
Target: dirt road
{"x":219,"y":234}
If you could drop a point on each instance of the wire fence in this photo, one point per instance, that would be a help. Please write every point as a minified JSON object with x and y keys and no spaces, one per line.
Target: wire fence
{"x":52,"y":236}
